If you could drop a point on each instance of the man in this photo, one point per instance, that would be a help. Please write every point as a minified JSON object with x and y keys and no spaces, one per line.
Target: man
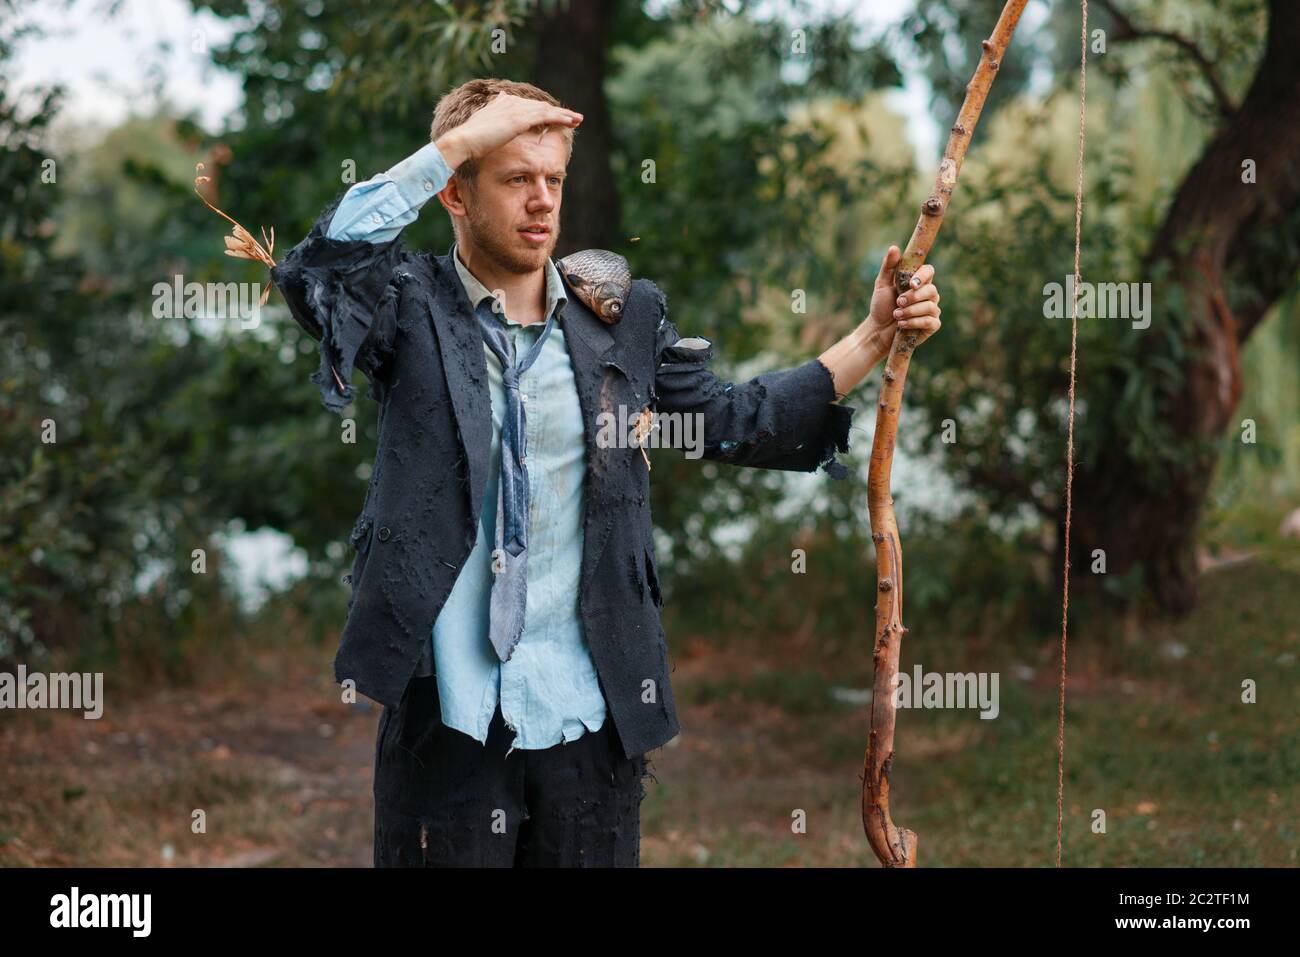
{"x":505,"y":607}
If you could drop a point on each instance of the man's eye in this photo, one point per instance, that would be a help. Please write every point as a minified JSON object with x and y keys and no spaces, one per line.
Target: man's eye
{"x":519,"y":179}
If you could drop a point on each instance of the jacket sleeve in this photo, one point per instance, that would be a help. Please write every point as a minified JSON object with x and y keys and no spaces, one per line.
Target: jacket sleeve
{"x":344,"y":293}
{"x":786,"y":419}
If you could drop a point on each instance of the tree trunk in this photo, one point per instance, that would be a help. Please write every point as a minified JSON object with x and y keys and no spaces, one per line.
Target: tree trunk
{"x":570,"y":65}
{"x":1233,"y":249}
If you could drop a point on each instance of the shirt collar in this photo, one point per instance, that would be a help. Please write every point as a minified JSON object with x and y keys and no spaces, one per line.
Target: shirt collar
{"x":477,"y":292}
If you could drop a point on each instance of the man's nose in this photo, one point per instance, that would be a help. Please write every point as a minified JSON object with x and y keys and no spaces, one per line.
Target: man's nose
{"x":540,"y":199}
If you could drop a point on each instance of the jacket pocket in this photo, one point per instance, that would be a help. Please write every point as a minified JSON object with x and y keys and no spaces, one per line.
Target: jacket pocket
{"x":695,"y":350}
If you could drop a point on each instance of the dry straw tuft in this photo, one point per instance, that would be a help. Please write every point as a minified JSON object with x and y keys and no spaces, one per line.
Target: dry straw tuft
{"x":241,"y":245}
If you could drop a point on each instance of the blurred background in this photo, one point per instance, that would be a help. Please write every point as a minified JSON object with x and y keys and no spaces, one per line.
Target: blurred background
{"x":756,"y":160}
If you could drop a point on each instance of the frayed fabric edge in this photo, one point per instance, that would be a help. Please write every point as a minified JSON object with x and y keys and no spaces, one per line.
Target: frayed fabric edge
{"x":836,"y":431}
{"x":837,"y":441}
{"x":328,"y":269}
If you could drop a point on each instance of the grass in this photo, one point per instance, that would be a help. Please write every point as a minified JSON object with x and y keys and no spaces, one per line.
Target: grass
{"x":1160,"y":748}
{"x":766,"y":771}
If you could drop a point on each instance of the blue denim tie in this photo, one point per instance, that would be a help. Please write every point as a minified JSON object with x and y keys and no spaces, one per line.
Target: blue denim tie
{"x":510,"y":551}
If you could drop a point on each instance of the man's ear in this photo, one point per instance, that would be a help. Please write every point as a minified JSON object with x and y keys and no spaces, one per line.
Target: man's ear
{"x":452,"y":197}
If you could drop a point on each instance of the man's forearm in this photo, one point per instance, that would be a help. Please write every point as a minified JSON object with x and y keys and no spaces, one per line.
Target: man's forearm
{"x":852,"y":358}
{"x":378,"y":209}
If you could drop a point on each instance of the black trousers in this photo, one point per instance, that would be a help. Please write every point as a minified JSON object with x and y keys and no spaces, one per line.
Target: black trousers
{"x":444,"y":800}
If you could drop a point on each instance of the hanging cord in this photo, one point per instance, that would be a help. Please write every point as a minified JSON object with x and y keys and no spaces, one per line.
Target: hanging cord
{"x":1069,"y":444}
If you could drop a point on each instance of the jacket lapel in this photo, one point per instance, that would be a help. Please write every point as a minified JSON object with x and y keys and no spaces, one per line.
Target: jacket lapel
{"x":591,"y":353}
{"x":460,"y":345}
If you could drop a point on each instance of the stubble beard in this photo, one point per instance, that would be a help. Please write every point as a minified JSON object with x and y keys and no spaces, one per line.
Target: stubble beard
{"x":499,"y":243}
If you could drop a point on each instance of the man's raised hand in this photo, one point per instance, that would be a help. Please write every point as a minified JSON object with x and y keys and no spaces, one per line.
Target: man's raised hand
{"x":916,"y":310}
{"x":497,"y":124}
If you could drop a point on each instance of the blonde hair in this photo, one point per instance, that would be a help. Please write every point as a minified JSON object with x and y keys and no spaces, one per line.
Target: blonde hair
{"x":462,"y":102}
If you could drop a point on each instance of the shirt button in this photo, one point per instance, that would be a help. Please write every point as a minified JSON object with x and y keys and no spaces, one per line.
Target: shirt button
{"x":428,"y":186}
{"x":524,"y":397}
{"x":375,"y":218}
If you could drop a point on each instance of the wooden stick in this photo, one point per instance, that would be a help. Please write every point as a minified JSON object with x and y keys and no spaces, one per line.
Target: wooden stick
{"x":896,"y":846}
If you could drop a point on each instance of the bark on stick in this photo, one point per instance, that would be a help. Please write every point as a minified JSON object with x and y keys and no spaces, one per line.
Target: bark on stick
{"x":896,"y":846}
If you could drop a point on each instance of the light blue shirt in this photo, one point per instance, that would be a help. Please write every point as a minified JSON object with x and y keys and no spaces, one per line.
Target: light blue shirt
{"x":548,"y":690}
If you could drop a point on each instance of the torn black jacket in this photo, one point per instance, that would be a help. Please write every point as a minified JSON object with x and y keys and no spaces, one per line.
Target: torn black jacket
{"x":404,"y":320}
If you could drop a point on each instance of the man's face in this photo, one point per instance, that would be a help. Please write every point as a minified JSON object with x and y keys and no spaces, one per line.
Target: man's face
{"x":512,"y":212}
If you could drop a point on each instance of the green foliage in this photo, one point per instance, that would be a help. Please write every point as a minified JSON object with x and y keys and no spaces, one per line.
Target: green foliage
{"x":778,"y":169}
{"x":946,"y":37}
{"x":749,"y":201}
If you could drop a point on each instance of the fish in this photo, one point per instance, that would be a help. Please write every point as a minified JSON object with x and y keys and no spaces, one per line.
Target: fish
{"x":601,"y":279}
